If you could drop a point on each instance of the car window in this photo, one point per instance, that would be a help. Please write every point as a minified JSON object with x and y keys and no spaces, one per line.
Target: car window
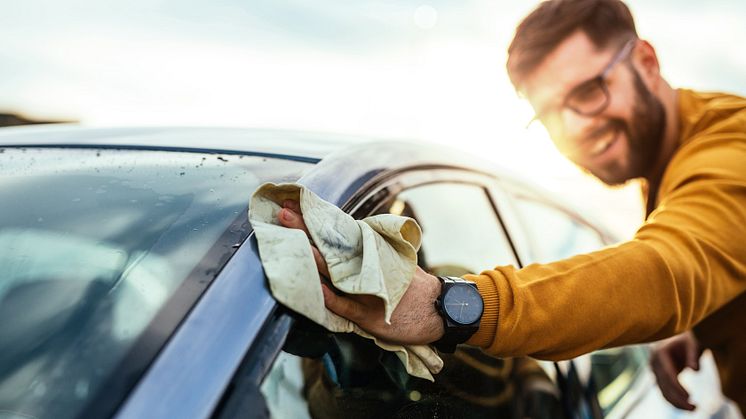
{"x":282,"y":388}
{"x":554,"y":233}
{"x":615,"y":371}
{"x":101,"y":253}
{"x":461,"y":232}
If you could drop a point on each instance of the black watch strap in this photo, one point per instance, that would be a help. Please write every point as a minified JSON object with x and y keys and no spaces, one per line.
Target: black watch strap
{"x":451,"y":339}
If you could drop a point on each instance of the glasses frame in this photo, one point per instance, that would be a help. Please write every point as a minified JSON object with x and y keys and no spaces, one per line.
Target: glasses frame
{"x":600,"y":80}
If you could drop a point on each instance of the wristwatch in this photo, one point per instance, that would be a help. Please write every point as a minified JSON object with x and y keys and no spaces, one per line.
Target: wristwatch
{"x":461,"y":306}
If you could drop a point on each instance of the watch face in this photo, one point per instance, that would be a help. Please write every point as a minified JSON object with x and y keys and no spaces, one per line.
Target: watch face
{"x":463,"y":304}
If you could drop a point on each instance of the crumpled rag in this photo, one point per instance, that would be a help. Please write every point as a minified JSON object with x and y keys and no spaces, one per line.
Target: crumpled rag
{"x":376,"y":255}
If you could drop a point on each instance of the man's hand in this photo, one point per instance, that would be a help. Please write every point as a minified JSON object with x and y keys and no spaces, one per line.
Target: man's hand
{"x":668,"y":360}
{"x":413,"y":322}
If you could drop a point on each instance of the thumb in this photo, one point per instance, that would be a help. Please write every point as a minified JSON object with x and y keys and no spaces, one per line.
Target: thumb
{"x":342,"y":306}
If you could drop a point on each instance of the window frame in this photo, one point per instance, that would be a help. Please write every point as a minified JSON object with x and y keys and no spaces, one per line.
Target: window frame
{"x":381,"y":191}
{"x":516,"y":226}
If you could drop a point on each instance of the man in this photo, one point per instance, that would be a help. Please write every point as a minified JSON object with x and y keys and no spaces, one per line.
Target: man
{"x":598,"y":90}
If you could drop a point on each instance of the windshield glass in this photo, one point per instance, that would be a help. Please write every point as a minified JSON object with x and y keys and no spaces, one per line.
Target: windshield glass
{"x":102,"y":252}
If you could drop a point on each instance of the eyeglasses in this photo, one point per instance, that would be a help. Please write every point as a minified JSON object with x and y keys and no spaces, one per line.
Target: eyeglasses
{"x":592,"y":96}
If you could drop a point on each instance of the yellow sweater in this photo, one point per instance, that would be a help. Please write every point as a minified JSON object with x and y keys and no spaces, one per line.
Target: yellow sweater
{"x":685,"y":267}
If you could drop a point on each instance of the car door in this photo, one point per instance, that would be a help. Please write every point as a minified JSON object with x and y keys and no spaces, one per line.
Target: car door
{"x":463,"y":232}
{"x":464,"y":215}
{"x":552,"y":231}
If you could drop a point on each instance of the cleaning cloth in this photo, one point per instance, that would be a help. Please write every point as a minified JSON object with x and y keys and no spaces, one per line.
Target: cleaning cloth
{"x":376,"y":256}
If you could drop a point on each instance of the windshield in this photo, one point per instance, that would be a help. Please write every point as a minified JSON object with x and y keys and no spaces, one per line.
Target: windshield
{"x":102,"y":252}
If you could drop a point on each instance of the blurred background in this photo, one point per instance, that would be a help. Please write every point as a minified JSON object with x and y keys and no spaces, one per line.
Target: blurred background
{"x":431,"y":70}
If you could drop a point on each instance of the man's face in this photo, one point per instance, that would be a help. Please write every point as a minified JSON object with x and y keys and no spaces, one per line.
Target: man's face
{"x":620,"y":143}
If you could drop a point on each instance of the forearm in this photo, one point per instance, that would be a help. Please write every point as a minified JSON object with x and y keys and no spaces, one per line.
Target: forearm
{"x":617,"y":296}
{"x":566,"y":308}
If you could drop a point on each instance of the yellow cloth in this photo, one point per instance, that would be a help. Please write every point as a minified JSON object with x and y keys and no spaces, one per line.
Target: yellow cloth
{"x":376,"y":256}
{"x":685,"y":267}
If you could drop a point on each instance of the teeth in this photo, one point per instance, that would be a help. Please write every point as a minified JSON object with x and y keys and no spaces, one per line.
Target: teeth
{"x":602,"y":145}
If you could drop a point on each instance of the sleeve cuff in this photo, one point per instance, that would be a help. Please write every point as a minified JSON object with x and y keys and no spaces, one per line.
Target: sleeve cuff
{"x":485,"y":336}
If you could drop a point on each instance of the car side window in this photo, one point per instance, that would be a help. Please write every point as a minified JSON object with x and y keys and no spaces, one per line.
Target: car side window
{"x":554,"y":233}
{"x":461,"y":232}
{"x":615,"y":371}
{"x":282,"y":388}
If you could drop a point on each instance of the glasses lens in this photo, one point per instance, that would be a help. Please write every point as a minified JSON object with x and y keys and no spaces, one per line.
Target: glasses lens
{"x":588,"y":98}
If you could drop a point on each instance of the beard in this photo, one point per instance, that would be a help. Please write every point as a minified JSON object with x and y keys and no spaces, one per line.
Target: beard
{"x":644,"y":137}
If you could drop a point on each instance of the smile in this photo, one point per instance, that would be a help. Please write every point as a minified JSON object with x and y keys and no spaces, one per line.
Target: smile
{"x":602,"y":145}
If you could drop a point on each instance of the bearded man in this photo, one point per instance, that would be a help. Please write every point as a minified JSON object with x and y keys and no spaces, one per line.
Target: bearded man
{"x":597,"y":88}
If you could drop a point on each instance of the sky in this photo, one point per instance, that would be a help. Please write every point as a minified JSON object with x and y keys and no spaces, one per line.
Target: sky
{"x":427,"y":70}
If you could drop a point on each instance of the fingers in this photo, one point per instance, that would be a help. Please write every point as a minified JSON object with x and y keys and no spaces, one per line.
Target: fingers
{"x":668,"y":381}
{"x":693,"y":351}
{"x":342,"y":306}
{"x":692,"y":357}
{"x":320,"y":262}
{"x":293,"y":205}
{"x":291,"y":219}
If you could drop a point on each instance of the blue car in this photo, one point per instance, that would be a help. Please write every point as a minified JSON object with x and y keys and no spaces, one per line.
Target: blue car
{"x":131,"y":287}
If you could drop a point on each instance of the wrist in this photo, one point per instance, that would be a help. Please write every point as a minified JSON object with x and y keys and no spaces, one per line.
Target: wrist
{"x":437,"y":291}
{"x":435,"y":288}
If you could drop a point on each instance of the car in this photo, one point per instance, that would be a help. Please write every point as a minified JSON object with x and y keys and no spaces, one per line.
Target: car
{"x":131,"y":285}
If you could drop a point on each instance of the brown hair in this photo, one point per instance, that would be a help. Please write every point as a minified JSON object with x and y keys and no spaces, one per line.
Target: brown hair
{"x":604,"y":21}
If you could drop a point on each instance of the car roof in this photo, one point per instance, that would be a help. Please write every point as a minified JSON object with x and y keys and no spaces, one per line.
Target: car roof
{"x":296,"y":145}
{"x":367,"y":153}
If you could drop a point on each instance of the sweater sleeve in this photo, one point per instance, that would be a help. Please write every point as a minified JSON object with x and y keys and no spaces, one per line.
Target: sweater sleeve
{"x":686,"y":261}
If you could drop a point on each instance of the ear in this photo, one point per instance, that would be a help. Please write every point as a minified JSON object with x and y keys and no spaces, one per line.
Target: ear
{"x":646,"y":63}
